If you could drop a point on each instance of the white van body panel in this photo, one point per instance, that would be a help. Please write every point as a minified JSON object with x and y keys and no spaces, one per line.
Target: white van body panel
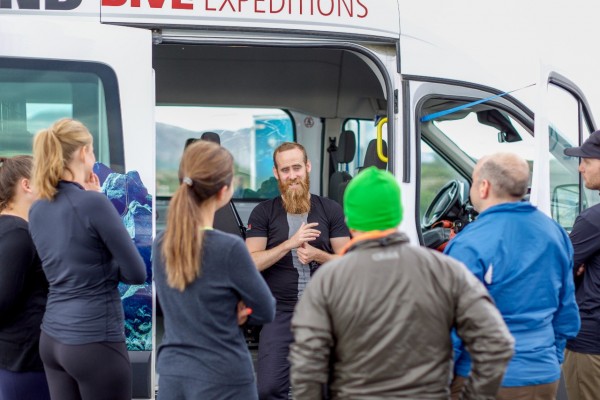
{"x":115,"y":46}
{"x":357,"y":17}
{"x":424,"y":54}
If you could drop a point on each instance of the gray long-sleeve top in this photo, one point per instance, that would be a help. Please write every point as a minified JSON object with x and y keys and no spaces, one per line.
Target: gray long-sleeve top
{"x":85,"y":252}
{"x":202,"y":338}
{"x":383,"y":313}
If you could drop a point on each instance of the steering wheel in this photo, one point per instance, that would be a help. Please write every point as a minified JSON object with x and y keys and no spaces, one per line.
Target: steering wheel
{"x":444,"y":201}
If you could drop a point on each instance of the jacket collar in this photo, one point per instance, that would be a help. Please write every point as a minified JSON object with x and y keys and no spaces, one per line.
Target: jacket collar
{"x":517,"y":206}
{"x":67,"y":184}
{"x":375,"y":239}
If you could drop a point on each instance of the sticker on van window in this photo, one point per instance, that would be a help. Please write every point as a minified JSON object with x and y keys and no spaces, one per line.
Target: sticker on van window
{"x":133,"y":202}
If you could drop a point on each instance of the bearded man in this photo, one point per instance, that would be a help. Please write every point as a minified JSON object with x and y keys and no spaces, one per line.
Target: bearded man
{"x":289,"y":237}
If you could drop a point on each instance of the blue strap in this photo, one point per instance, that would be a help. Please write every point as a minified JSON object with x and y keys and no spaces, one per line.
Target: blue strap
{"x":461,"y":107}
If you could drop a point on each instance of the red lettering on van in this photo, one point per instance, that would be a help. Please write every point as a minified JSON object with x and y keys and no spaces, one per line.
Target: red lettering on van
{"x":152,"y":3}
{"x":180,"y":5}
{"x":330,"y":10}
{"x":114,"y":3}
{"x":227,"y":2}
{"x":240,"y":5}
{"x":273,"y":10}
{"x":340,"y":8}
{"x":366,"y":11}
{"x":207,"y":8}
{"x":348,"y":9}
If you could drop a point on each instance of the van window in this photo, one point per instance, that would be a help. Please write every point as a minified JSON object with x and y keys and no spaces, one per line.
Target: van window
{"x":435,"y":173}
{"x":34,"y":94}
{"x":477,"y":140}
{"x":250,"y":134}
{"x":468,"y":135}
{"x":364,"y":131}
{"x":567,"y":128}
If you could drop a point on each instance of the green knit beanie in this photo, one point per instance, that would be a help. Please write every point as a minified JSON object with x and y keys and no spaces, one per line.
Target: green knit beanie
{"x":372,"y":201}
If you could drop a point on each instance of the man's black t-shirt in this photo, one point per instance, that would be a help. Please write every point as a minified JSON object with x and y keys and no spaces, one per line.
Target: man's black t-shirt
{"x":287,"y":278}
{"x":585,"y":237}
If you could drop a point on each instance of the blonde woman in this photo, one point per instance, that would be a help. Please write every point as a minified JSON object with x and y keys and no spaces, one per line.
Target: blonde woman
{"x":23,"y":287}
{"x":85,"y":252}
{"x":202,"y":275}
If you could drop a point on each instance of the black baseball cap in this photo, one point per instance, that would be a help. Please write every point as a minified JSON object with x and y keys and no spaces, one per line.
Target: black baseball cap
{"x":589,"y":149}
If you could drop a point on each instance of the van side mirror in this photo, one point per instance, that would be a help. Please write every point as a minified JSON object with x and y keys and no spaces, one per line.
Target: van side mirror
{"x":495,"y":119}
{"x":565,"y":204}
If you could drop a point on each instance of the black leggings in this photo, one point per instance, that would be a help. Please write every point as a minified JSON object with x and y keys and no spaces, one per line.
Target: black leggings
{"x":23,"y":385}
{"x":94,"y":371}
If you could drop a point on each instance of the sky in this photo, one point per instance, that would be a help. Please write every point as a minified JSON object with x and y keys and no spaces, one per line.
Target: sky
{"x":514,"y":37}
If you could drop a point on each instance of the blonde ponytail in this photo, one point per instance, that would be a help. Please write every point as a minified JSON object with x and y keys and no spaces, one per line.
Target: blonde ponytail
{"x":53,"y":148}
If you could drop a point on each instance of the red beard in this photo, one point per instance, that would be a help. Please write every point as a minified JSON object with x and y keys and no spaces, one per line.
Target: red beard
{"x":296,"y":200}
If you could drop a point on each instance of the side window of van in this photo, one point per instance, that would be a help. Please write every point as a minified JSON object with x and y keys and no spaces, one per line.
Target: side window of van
{"x":364,"y":131}
{"x":36,"y":93}
{"x":435,"y":173}
{"x":566,"y":129}
{"x":463,"y":137}
{"x":250,"y":134}
{"x":451,"y":144}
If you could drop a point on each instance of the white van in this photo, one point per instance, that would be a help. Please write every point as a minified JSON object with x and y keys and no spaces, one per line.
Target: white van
{"x":147,"y":75}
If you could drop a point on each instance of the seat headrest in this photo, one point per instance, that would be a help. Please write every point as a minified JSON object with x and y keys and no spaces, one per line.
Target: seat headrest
{"x":211,"y":137}
{"x":371,"y":157}
{"x":337,"y":185}
{"x":346,"y":148}
{"x":208,"y":136}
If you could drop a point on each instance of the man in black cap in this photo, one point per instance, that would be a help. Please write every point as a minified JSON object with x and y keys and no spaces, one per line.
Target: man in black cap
{"x":582,"y":357}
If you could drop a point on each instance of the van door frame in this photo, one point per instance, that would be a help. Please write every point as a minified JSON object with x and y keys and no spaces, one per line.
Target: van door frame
{"x":416,"y":91}
{"x":549,"y":76}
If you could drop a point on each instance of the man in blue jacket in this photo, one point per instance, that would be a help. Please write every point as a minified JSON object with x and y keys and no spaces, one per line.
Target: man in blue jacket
{"x":525,"y":259}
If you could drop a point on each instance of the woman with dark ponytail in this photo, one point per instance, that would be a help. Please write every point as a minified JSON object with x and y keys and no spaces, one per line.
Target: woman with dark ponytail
{"x":85,"y":252}
{"x":23,"y":287}
{"x":204,"y":278}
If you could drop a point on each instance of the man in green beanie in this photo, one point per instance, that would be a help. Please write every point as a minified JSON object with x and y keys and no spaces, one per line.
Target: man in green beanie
{"x":376,"y":322}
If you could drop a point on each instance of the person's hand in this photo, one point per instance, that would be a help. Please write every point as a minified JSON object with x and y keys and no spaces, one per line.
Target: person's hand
{"x":306,"y":253}
{"x":242,"y":313}
{"x":580,"y":270}
{"x":305,"y":233}
{"x":92,"y":183}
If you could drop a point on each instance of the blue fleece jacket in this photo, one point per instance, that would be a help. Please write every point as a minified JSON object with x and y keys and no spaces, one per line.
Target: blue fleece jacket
{"x":525,"y":259}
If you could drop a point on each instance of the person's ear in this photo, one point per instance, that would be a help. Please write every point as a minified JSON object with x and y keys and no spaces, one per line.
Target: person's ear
{"x":275,"y":173}
{"x":25,"y":185}
{"x":223,"y":194}
{"x":308,"y":166}
{"x":83,"y":153}
{"x":484,"y":189}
